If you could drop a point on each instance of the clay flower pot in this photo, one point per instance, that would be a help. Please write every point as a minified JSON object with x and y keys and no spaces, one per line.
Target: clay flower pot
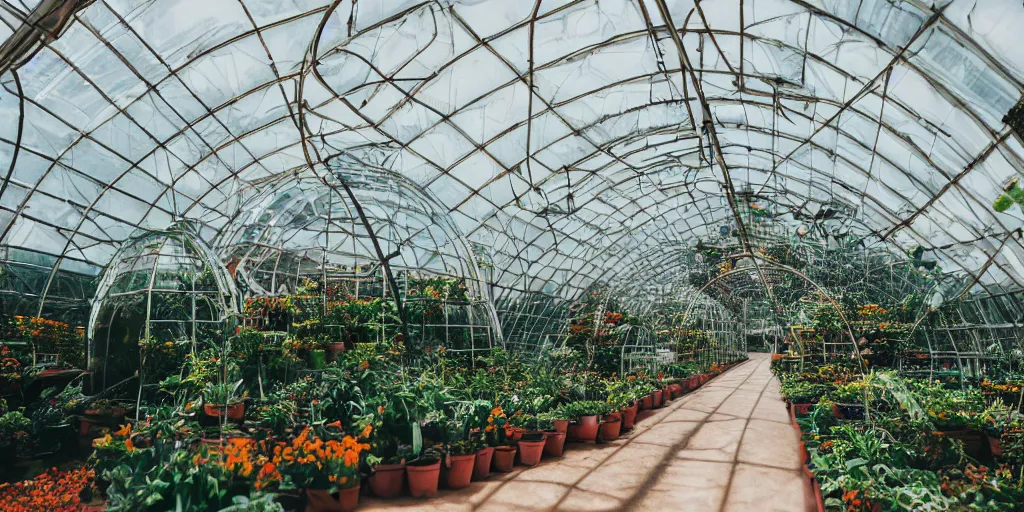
{"x":320,"y":500}
{"x":235,"y":412}
{"x":666,"y":395}
{"x":504,"y":458}
{"x":531,"y":451}
{"x":482,"y":466}
{"x":561,"y":426}
{"x":802,"y":409}
{"x":995,"y":445}
{"x":423,"y":479}
{"x":334,"y":350}
{"x":554,"y":444}
{"x":585,"y":429}
{"x":629,"y":416}
{"x":658,"y":397}
{"x":647,"y":402}
{"x":461,"y":470}
{"x":693,"y":382}
{"x":387,"y":480}
{"x":611,"y":428}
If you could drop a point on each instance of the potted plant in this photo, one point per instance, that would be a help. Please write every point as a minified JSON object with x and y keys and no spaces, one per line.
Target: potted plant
{"x":500,"y":434}
{"x":423,"y":473}
{"x":461,"y":462}
{"x":585,"y":413}
{"x":620,"y":399}
{"x":224,"y":400}
{"x":531,"y":448}
{"x":554,"y":441}
{"x":326,"y":469}
{"x":100,"y":413}
{"x":611,"y":427}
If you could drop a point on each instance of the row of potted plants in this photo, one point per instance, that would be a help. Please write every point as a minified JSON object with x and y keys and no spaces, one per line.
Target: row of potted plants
{"x":912,"y":444}
{"x":377,"y":414}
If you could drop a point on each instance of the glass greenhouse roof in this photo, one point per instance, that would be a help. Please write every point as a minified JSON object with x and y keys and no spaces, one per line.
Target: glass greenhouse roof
{"x":577,"y":141}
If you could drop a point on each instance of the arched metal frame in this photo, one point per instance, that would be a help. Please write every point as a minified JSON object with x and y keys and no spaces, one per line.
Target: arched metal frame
{"x":855,"y":352}
{"x":910,"y":150}
{"x":150,"y":273}
{"x":298,"y":228}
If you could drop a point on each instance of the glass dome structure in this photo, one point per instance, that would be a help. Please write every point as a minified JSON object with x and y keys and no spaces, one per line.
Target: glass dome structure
{"x":164,"y":293}
{"x":361,"y":233}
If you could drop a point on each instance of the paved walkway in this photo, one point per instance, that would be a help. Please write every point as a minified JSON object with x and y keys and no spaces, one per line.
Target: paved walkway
{"x":728,"y":447}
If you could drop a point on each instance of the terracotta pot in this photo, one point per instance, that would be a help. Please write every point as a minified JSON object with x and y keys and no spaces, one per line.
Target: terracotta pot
{"x":629,"y":417}
{"x":804,"y":456}
{"x":94,"y":508}
{"x":817,"y":496}
{"x":802,"y":409}
{"x":334,"y":350}
{"x":554,"y":444}
{"x":658,"y":398}
{"x":320,"y":500}
{"x":974,"y":442}
{"x":610,"y":429}
{"x":647,"y":402}
{"x":677,"y":390}
{"x":585,"y":429}
{"x":530,"y":452}
{"x":561,"y":426}
{"x":235,"y":412}
{"x":461,"y":470}
{"x":666,"y":395}
{"x":482,"y":466}
{"x":693,"y":382}
{"x":86,"y":426}
{"x":995,"y":445}
{"x":387,"y":479}
{"x":504,"y":458}
{"x":423,"y":479}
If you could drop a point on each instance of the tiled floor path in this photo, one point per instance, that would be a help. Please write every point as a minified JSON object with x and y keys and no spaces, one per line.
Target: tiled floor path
{"x":729,"y":446}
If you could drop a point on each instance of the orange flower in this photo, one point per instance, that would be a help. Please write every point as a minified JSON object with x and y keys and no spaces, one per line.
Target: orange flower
{"x":364,"y":365}
{"x":367,"y":431}
{"x":125,"y":431}
{"x":351,"y":458}
{"x":128,"y":444}
{"x":336,"y":424}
